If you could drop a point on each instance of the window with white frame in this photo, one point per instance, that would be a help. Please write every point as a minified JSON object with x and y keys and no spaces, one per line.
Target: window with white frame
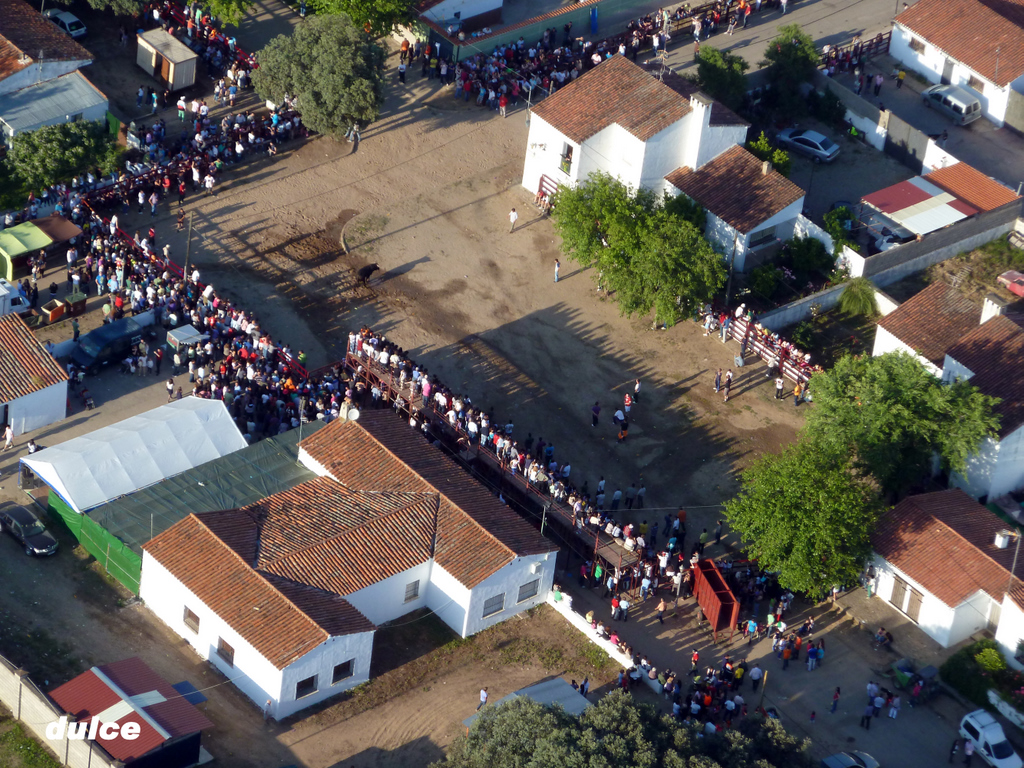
{"x":412,"y":591}
{"x":528,"y":590}
{"x":762,"y":237}
{"x":493,"y":605}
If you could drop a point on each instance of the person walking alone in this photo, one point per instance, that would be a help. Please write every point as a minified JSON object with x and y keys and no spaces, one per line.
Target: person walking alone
{"x":662,"y":605}
{"x":483,"y":698}
{"x":835,"y":701}
{"x":513,"y":217}
{"x":558,"y":265}
{"x":865,"y":719}
{"x":595,"y":412}
{"x":780,"y":385}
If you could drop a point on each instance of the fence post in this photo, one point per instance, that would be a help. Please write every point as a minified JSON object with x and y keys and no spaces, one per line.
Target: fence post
{"x":22,"y":674}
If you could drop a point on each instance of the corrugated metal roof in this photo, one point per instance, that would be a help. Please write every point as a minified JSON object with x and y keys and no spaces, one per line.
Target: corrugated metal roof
{"x":919,"y":206}
{"x":49,"y":101}
{"x":25,"y":365}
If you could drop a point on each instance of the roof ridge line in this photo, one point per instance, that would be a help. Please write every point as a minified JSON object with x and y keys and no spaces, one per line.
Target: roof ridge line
{"x":963,"y":538}
{"x":438,"y":490}
{"x":259,"y":575}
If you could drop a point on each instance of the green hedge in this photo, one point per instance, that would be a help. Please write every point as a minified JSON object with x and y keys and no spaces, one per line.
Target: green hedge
{"x":963,"y":672}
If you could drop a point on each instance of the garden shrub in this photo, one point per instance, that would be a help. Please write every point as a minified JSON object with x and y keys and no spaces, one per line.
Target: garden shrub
{"x":963,"y":672}
{"x":764,"y":280}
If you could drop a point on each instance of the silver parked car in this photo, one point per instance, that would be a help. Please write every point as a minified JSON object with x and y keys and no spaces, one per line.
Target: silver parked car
{"x":68,"y":23}
{"x":817,"y":146}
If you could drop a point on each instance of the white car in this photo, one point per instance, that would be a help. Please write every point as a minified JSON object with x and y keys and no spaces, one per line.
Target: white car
{"x":989,"y":740}
{"x":68,"y":23}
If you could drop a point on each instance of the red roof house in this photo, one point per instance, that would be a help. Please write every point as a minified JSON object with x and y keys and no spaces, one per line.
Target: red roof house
{"x":129,"y":691}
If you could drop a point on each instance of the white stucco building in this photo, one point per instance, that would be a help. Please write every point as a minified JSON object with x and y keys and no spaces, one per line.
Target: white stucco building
{"x":653,"y":129}
{"x":33,"y":386}
{"x":977,"y":45}
{"x":622,"y":120}
{"x":284,"y":595}
{"x":953,"y":338}
{"x":944,"y":560}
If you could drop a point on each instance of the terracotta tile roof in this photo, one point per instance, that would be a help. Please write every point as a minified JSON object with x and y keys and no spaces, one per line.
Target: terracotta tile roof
{"x":397,"y":535}
{"x":978,"y":33}
{"x":381,"y":452}
{"x":933,"y":320}
{"x":25,"y":365}
{"x":994,"y":351}
{"x":91,"y":693}
{"x":945,"y":541}
{"x":23,"y":30}
{"x":720,"y":114}
{"x":250,"y":603}
{"x":615,"y":91}
{"x":972,"y":186}
{"x":734,"y":188}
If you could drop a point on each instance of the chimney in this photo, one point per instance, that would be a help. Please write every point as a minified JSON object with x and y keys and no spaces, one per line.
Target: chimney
{"x":993,"y":307}
{"x":765,"y":167}
{"x":1003,"y":539}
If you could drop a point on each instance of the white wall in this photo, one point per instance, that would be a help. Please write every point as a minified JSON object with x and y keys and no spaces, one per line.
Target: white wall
{"x":715,"y":139}
{"x":507,"y":581}
{"x":971,"y":616}
{"x":543,"y":155}
{"x":935,"y":617}
{"x":997,"y":468}
{"x":936,"y":157}
{"x":167,"y":597}
{"x":446,"y":9}
{"x":664,"y":153}
{"x":321,"y":662}
{"x":38,"y":73}
{"x":931,"y":63}
{"x":38,"y":409}
{"x":1010,"y":630}
{"x":313,"y":465}
{"x":613,"y":150}
{"x":385,"y":600}
{"x":448,"y":598}
{"x":886,"y":342}
{"x":720,"y":232}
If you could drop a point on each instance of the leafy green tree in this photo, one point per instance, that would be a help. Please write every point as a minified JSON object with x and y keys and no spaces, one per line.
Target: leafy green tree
{"x":791,"y":59}
{"x":382,"y":16}
{"x":762,"y":149}
{"x":810,"y":255}
{"x":55,"y":153}
{"x":858,"y":298}
{"x":615,"y":733}
{"x":838,"y":224}
{"x":686,"y":209}
{"x":891,"y":416}
{"x":805,"y":514}
{"x":227,"y":11}
{"x":330,"y":65}
{"x":649,"y":256}
{"x":721,"y":74}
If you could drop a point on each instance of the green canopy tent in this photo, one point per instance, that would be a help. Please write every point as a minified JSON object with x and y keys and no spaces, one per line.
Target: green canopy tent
{"x":19,"y":241}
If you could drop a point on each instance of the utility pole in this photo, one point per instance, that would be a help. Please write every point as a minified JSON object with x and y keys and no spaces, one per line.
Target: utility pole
{"x":188,"y":244}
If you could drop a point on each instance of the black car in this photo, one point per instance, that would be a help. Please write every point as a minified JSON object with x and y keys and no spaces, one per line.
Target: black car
{"x":28,"y":531}
{"x":113,"y":341}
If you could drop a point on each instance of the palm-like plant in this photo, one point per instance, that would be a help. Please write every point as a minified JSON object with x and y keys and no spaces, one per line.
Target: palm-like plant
{"x":858,"y":298}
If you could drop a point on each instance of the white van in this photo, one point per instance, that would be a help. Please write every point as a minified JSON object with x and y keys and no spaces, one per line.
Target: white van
{"x":957,"y":103}
{"x":989,"y":740}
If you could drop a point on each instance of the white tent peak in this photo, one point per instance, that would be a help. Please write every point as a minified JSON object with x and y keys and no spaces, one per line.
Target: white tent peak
{"x":120,"y":459}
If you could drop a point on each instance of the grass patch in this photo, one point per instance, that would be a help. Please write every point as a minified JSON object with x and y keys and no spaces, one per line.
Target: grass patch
{"x":18,"y":749}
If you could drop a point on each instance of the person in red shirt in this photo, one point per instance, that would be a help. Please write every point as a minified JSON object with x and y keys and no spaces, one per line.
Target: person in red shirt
{"x":502,"y":103}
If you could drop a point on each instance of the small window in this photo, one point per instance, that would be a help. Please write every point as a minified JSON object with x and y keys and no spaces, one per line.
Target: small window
{"x":976,"y":83}
{"x":191,"y":620}
{"x":971,"y":730}
{"x":342,"y":671}
{"x":494,"y":605}
{"x":412,"y":591}
{"x":916,"y":45}
{"x":225,"y":651}
{"x":305,"y":687}
{"x":528,"y":590}
{"x":762,"y":237}
{"x":565,"y":163}
{"x":76,"y":118}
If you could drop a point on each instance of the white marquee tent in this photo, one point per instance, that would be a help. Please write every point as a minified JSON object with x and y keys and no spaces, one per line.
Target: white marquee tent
{"x":132,"y":454}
